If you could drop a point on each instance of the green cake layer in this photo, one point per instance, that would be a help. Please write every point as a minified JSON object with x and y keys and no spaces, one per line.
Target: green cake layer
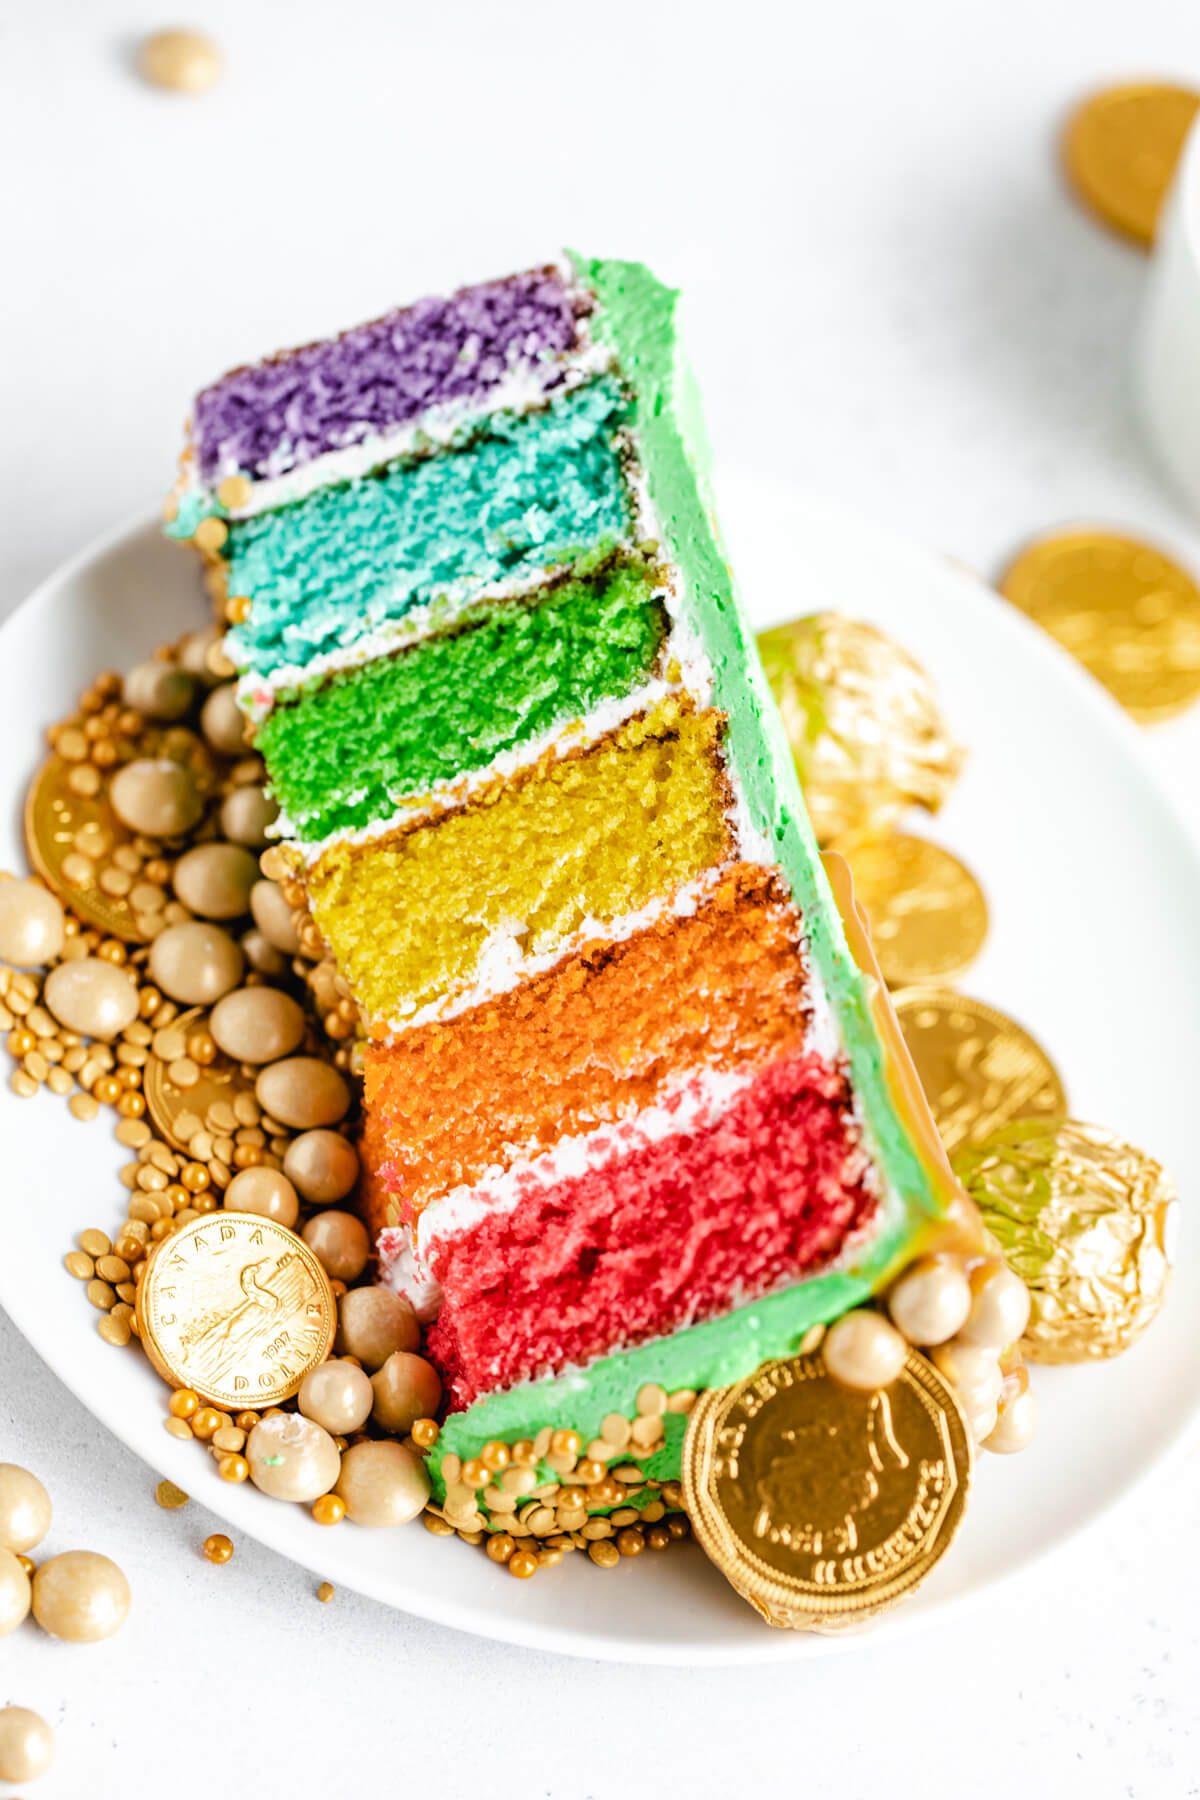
{"x":353,"y":748}
{"x":526,"y":495}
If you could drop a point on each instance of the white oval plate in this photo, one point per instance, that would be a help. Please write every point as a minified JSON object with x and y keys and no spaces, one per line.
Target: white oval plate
{"x":1094,"y":892}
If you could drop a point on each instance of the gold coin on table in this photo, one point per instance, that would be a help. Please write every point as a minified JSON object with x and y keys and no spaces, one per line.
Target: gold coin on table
{"x":1120,"y":149}
{"x":927,"y":913}
{"x":824,"y":1506}
{"x":979,"y":1069}
{"x":168,"y":1102}
{"x":57,"y":821}
{"x":1130,"y":614}
{"x":1086,"y":1220}
{"x":236,"y":1307}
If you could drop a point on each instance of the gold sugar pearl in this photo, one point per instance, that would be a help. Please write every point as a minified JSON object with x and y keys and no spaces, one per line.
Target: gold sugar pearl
{"x":325,"y":1592}
{"x":425,"y":1434}
{"x":474,"y":1473}
{"x":522,"y":1564}
{"x":591,"y":1471}
{"x":217,"y":1548}
{"x":233,"y":1467}
{"x":630,"y":1542}
{"x":658,"y":1537}
{"x":237,"y":609}
{"x":500,"y":1546}
{"x":330,"y":1509}
{"x":205,"y":1422}
{"x":566,"y":1443}
{"x":210,"y":534}
{"x":494,"y":1456}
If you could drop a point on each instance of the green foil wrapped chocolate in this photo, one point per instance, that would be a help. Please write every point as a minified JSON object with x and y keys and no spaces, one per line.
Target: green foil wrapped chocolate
{"x":1085,"y":1220}
{"x":863,"y":722}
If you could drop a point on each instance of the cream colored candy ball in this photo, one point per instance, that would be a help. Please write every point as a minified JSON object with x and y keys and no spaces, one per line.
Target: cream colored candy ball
{"x":257,"y":1024}
{"x":15,"y":1591}
{"x":338,"y":1396}
{"x":158,"y":690}
{"x":81,"y":1596}
{"x":862,"y":1350}
{"x":323,"y":1165}
{"x":214,"y":880}
{"x":247,"y":815}
{"x":292,"y":1458}
{"x":157,"y":798}
{"x":261,"y":954}
{"x":223,"y":722}
{"x":195,"y":962}
{"x":373,"y":1322}
{"x":382,"y":1484}
{"x":266,"y":1192}
{"x":407,"y":1388}
{"x":969,"y":1368}
{"x":999,"y":1309}
{"x":930,"y":1302}
{"x":302,"y":1091}
{"x":185,"y":62}
{"x":340,"y":1244}
{"x":31,"y":924}
{"x":26,"y":1744}
{"x":25,"y":1509}
{"x":91,"y":996}
{"x":193,"y":652}
{"x":1016,"y":1425}
{"x":273,"y":916}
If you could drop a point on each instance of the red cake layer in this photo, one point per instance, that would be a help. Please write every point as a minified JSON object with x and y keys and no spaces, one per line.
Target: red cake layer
{"x":657,"y":1238}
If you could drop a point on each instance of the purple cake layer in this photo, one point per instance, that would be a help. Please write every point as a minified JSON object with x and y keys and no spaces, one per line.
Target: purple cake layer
{"x":275,"y":415}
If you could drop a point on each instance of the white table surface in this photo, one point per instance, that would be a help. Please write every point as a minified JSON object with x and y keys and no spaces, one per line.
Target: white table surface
{"x":890,"y":299}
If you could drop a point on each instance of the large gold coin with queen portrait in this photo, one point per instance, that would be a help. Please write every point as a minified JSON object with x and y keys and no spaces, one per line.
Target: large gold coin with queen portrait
{"x":237,"y":1308}
{"x":821,"y":1505}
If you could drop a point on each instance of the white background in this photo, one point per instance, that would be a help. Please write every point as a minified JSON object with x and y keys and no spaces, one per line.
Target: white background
{"x":890,"y":299}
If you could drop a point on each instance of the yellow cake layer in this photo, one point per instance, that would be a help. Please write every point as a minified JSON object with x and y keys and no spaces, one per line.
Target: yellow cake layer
{"x":412,"y":916}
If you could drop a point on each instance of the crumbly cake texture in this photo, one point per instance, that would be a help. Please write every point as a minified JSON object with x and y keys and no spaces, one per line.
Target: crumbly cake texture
{"x":636,"y":1114}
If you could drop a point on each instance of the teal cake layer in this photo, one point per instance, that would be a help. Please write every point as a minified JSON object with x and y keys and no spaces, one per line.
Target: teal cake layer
{"x":352,"y":748}
{"x":525,"y":496}
{"x":710,"y":1355}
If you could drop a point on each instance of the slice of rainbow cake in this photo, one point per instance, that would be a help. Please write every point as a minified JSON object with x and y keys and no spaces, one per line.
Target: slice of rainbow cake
{"x":637,"y":1117}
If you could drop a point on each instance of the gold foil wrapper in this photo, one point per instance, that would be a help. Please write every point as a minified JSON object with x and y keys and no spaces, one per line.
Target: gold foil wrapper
{"x":1085,"y":1220}
{"x":863,"y":722}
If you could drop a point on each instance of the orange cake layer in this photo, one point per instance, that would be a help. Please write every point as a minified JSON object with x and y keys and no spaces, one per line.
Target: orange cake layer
{"x":591,"y":1040}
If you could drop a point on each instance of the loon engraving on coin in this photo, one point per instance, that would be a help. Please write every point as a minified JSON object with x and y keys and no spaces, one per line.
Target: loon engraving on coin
{"x":1130,"y":614}
{"x":237,"y":1308}
{"x":927,"y":913}
{"x":979,"y":1068}
{"x":171,"y":1106}
{"x":820,"y":1504}
{"x":62,"y":827}
{"x":1121,"y":147}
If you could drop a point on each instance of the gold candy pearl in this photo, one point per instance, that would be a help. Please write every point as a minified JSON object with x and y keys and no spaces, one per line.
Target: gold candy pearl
{"x":205,"y":1422}
{"x":210,"y":534}
{"x":474,"y":1473}
{"x":80,"y":1596}
{"x":566,"y":1443}
{"x":330,"y":1509}
{"x":658,"y":1537}
{"x":26,"y":1744}
{"x":522,"y":1564}
{"x":28,"y":1564}
{"x":25,"y":1509}
{"x":237,"y":609}
{"x":425,"y":1434}
{"x":630,"y":1542}
{"x":500,"y":1546}
{"x":217,"y":1548}
{"x":233,"y":1468}
{"x":325,"y":1592}
{"x":590,"y":1472}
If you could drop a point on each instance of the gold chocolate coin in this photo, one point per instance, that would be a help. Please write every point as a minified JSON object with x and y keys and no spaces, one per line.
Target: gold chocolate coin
{"x":979,"y":1069}
{"x":1086,"y":1221}
{"x":927,"y":912}
{"x":1130,"y":614}
{"x":1120,"y":149}
{"x":70,"y":838}
{"x":237,"y":1308}
{"x":820,"y":1504}
{"x":179,"y":1091}
{"x":863,"y":722}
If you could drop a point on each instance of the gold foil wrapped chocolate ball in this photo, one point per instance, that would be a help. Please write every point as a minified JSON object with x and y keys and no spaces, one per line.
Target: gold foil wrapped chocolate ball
{"x":1085,"y":1220}
{"x":863,"y":722}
